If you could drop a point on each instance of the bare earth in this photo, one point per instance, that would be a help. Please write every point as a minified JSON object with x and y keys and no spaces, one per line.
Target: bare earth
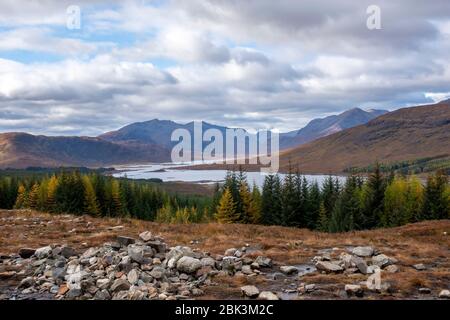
{"x":427,"y":243}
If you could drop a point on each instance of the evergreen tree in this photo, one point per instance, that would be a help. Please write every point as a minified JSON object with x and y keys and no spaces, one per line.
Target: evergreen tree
{"x":257,"y":201}
{"x":323,"y":223}
{"x":346,"y":208}
{"x":290,"y":202}
{"x":226,"y":210}
{"x":271,"y":201}
{"x":314,"y":205}
{"x":374,"y":199}
{"x":436,"y":202}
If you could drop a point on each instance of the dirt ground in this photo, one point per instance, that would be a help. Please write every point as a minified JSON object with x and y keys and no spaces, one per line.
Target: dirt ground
{"x":425,"y":242}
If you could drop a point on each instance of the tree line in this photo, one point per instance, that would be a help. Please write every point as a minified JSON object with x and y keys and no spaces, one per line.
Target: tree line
{"x":359,"y":203}
{"x":99,"y":195}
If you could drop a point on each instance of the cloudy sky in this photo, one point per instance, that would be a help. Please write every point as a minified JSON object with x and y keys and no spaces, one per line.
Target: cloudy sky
{"x":253,"y":64}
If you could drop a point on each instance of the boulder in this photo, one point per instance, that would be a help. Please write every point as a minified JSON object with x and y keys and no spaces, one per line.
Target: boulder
{"x":328,"y":266}
{"x":68,"y":252}
{"x":391,"y":268}
{"x":73,"y":293}
{"x":424,"y":290}
{"x":25,"y":253}
{"x":250,"y":291}
{"x":102,"y":295}
{"x":444,"y":294}
{"x":43,"y":252}
{"x":208,"y":262}
{"x":267,"y":295}
{"x":360,"y":264}
{"x":420,"y":267}
{"x":120,"y":285}
{"x":146,"y":236}
{"x":176,"y":253}
{"x":381,"y":260}
{"x":353,"y":289}
{"x":188,"y":264}
{"x":230,"y":252}
{"x":125,"y":241}
{"x":264,"y":262}
{"x":363,"y":251}
{"x":133,"y":276}
{"x":136,"y":253}
{"x":27,"y":282}
{"x":288,"y":270}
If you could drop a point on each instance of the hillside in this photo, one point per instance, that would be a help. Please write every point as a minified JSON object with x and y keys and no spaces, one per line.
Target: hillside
{"x":318,"y":128}
{"x":405,"y":134}
{"x":21,"y":150}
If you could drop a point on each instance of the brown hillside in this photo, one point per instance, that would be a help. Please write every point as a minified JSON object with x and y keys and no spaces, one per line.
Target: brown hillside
{"x":405,"y":134}
{"x":21,"y":150}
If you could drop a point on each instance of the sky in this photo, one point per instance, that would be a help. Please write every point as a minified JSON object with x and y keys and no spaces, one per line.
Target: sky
{"x":256,"y":64}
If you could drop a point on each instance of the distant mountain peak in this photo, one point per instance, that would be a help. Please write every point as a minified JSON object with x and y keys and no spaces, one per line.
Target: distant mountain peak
{"x":322,"y":127}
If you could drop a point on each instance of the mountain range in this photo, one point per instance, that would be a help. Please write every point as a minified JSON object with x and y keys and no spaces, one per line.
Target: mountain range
{"x":335,"y":138}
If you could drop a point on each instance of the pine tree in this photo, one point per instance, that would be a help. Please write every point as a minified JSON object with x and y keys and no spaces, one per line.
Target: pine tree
{"x":257,"y":201}
{"x":436,"y":203}
{"x":374,"y":199}
{"x":323,"y":223}
{"x":347,"y":207}
{"x":226,"y":210}
{"x":290,"y":202}
{"x":314,"y":205}
{"x":272,"y":213}
{"x":91,"y":205}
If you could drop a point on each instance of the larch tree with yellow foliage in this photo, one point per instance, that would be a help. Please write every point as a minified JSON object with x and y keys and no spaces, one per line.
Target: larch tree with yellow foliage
{"x":226,"y":210}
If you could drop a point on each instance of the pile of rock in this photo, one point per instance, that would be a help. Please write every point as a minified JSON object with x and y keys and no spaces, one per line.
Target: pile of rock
{"x":128,"y":268}
{"x":365,"y":260}
{"x":123,"y":269}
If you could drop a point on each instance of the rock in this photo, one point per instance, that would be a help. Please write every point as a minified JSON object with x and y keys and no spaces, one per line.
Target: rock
{"x":444,"y":294}
{"x":310,"y":287}
{"x":230,"y":252}
{"x":73,"y":293}
{"x":267,"y":295}
{"x":68,"y":252}
{"x":176,"y":253}
{"x":102,"y":295}
{"x":133,"y":276}
{"x":63,"y":290}
{"x":208,"y":262}
{"x":328,"y":266}
{"x":420,"y":267}
{"x":424,"y":290}
{"x":391,"y":268}
{"x":157,"y":272}
{"x":146,"y":236}
{"x":381,"y":260}
{"x":188,"y":264}
{"x":103,"y":283}
{"x":136,"y":253}
{"x":159,"y":246}
{"x":264,"y":262}
{"x":25,"y":253}
{"x":89,"y":253}
{"x":353,"y":289}
{"x":125,"y":241}
{"x":360,"y":264}
{"x":120,"y":285}
{"x":43,"y":252}
{"x":288,"y":270}
{"x":27,"y":282}
{"x":250,"y":291}
{"x":246,"y":270}
{"x":363,"y":251}
{"x":228,"y":264}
